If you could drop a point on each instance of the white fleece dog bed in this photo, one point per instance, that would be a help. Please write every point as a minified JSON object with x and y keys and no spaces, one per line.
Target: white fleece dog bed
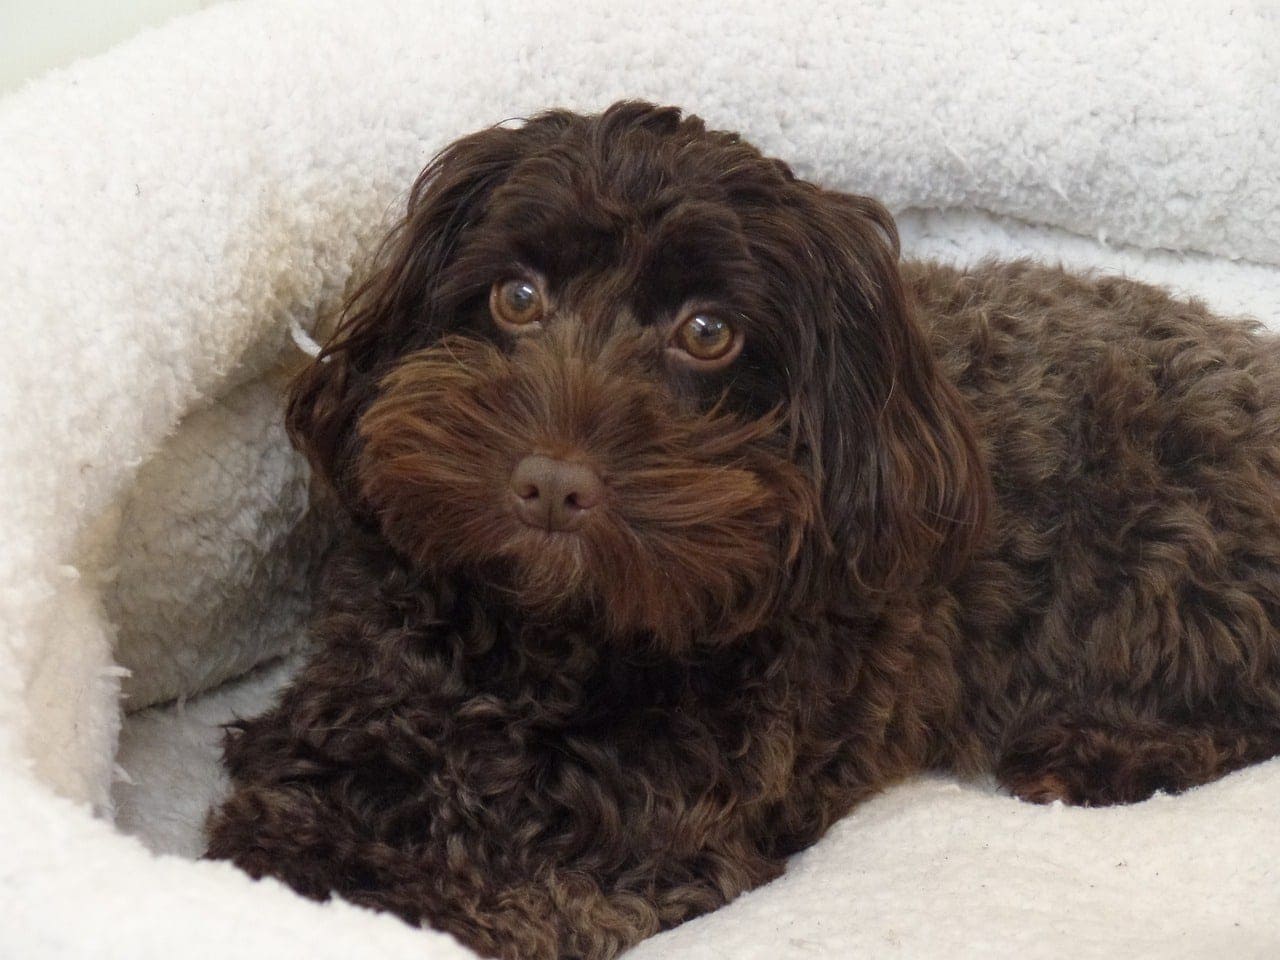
{"x":168,"y":211}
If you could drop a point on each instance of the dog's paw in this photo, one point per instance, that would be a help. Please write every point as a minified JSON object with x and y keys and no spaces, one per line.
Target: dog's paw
{"x":1041,"y":788}
{"x":1074,"y":765}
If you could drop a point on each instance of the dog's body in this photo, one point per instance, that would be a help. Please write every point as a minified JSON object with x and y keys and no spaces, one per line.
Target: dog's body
{"x":882,"y":518}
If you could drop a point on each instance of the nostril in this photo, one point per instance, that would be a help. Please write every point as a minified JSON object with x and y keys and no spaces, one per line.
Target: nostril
{"x":585,"y":493}
{"x":529,"y":478}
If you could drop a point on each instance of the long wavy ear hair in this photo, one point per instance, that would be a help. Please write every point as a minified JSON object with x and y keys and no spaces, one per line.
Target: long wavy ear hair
{"x":904,"y":489}
{"x":392,"y":310}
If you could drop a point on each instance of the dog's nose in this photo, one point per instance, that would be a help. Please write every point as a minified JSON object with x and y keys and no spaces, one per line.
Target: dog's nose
{"x":554,"y":494}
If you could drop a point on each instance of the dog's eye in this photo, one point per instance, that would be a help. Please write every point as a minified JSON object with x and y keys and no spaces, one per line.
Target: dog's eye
{"x":516,"y":303}
{"x":708,"y":340}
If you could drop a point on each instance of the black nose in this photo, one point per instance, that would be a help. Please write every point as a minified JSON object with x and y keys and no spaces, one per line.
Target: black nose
{"x":554,"y":494}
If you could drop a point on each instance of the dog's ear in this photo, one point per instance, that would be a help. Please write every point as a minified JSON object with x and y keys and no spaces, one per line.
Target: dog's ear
{"x":887,"y":437}
{"x":391,"y":310}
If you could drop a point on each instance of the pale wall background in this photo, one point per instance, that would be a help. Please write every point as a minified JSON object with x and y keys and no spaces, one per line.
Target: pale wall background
{"x":38,"y":35}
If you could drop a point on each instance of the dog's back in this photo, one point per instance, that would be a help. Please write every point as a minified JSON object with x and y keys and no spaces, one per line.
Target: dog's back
{"x":1133,"y":441}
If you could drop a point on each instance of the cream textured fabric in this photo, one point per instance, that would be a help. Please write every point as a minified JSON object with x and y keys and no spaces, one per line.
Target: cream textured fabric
{"x":169,"y":209}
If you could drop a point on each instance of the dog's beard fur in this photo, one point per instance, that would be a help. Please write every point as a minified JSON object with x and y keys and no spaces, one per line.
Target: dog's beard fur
{"x":704,"y":511}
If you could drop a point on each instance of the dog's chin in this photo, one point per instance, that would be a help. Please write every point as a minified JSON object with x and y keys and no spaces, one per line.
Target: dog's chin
{"x":574,"y":580}
{"x":605,"y":580}
{"x":547,"y":572}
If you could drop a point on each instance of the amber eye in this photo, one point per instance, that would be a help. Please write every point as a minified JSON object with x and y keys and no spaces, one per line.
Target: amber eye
{"x":516,"y":303}
{"x":707,"y":339}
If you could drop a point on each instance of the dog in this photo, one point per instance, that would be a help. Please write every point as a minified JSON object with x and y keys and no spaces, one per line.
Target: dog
{"x":680,"y":515}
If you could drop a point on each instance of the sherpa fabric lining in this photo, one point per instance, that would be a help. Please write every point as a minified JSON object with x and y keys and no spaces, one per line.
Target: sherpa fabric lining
{"x":171,"y":210}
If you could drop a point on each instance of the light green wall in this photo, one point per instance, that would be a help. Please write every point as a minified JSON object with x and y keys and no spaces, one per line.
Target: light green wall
{"x":37,"y":35}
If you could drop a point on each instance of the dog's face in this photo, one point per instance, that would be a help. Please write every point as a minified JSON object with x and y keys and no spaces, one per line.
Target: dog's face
{"x":629,"y":370}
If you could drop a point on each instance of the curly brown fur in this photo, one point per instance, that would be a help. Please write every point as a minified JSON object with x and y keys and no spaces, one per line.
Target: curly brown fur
{"x":1004,"y":520}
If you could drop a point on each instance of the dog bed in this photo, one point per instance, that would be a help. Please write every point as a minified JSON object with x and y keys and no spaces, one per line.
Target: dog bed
{"x":177,"y":215}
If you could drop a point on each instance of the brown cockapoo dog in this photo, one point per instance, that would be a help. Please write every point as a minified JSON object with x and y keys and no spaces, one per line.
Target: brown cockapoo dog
{"x":681,"y":516}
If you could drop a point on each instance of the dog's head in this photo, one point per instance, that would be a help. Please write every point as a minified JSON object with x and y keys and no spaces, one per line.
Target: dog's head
{"x":629,"y":369}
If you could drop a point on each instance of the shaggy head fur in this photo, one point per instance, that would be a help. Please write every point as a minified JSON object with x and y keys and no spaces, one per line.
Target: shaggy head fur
{"x":683,"y":517}
{"x":827,"y":448}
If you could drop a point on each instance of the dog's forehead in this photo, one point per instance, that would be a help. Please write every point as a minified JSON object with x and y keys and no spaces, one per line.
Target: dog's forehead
{"x":646,"y":229}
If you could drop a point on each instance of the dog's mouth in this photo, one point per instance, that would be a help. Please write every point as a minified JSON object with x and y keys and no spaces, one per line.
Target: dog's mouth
{"x":574,"y":489}
{"x":648,"y":559}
